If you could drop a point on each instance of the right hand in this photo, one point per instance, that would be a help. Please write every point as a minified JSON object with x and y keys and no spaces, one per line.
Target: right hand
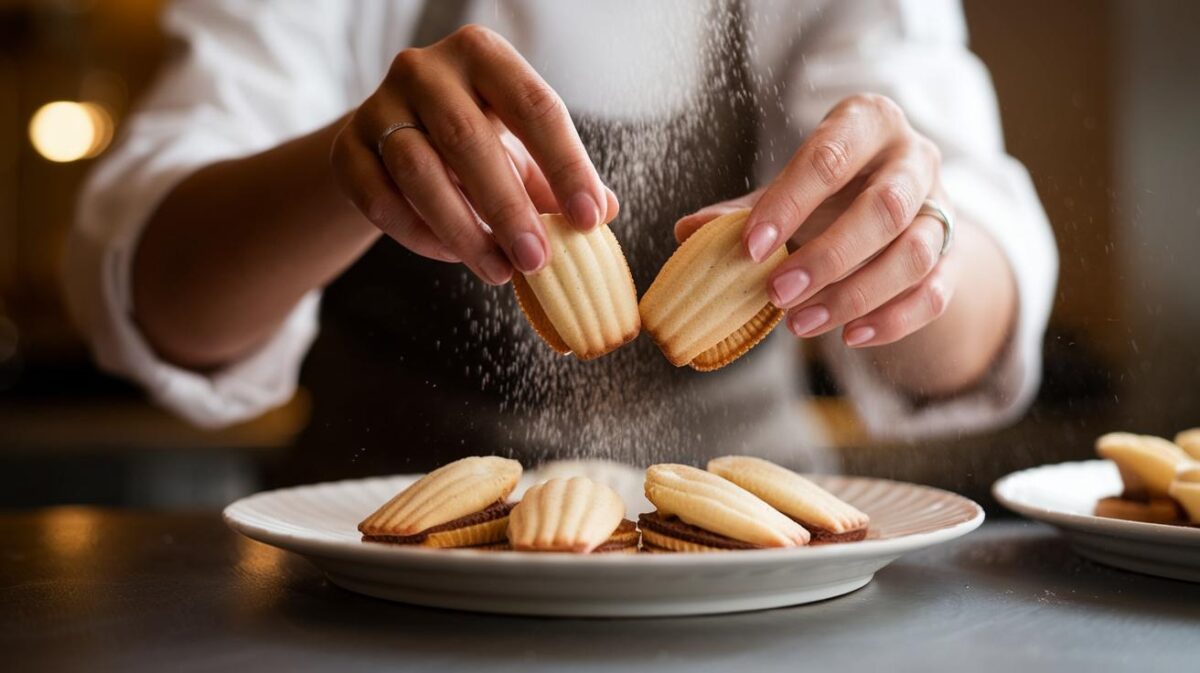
{"x":500,"y":148}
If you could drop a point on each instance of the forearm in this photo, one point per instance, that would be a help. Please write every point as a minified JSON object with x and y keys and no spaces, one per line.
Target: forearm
{"x":956,"y":350}
{"x":234,"y":246}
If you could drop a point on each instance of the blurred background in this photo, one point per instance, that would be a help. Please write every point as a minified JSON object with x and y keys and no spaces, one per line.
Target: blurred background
{"x":1099,"y":100}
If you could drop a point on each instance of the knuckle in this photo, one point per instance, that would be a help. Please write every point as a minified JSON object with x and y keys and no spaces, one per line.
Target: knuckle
{"x":937,"y":297}
{"x":837,"y":259}
{"x":567,"y":170}
{"x":857,"y":301}
{"x":895,"y":205}
{"x":476,"y":40}
{"x":375,"y":208}
{"x":931,"y":150}
{"x":506,"y":214}
{"x":459,"y":131}
{"x":409,"y":166}
{"x":537,"y":103}
{"x":884,"y":107}
{"x":856,"y":104}
{"x":407,"y":65}
{"x":921,"y":254}
{"x":830,"y":160}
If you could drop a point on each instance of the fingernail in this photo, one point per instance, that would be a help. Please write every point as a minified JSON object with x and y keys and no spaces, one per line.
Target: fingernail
{"x":496,"y":270}
{"x":528,"y":252}
{"x":762,"y":241}
{"x":803,"y":322}
{"x":613,"y":206}
{"x":859,"y":335}
{"x":583,"y":211}
{"x":787,"y":287}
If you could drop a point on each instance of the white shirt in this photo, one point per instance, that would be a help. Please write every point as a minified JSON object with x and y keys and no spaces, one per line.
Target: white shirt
{"x":257,"y":73}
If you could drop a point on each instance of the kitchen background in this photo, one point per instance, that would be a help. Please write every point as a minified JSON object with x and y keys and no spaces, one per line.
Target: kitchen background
{"x":1099,"y":100}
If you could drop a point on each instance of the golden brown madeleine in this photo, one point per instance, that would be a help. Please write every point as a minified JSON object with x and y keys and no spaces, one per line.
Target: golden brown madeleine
{"x":583,"y":301}
{"x":575,"y":515}
{"x":1185,"y":489}
{"x":826,"y":517}
{"x":1189,"y":441}
{"x":1147,"y":463}
{"x":457,"y":491}
{"x":715,"y":504}
{"x":1154,"y":510}
{"x":624,"y":540}
{"x":709,"y":303}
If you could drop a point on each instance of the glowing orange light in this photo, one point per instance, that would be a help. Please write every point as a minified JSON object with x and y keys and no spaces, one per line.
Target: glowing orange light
{"x":65,"y":131}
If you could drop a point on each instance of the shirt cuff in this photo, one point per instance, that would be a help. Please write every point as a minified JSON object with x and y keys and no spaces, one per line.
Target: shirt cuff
{"x":99,"y":292}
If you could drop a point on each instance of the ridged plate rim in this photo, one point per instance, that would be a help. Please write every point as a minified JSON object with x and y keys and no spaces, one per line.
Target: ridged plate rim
{"x":246,"y":517}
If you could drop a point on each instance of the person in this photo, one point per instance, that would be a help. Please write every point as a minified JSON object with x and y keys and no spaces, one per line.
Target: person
{"x":376,"y":168}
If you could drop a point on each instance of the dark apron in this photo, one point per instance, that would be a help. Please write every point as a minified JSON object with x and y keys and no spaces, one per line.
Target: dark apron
{"x":417,"y":363}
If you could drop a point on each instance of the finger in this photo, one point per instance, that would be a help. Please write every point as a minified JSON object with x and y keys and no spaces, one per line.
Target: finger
{"x":878,"y":215}
{"x":468,"y":144}
{"x":418,"y":172}
{"x":904,"y":315}
{"x":688,"y":224}
{"x":536,"y":114}
{"x":528,"y":171}
{"x":535,"y":181}
{"x":904,"y":264}
{"x":371,"y":190}
{"x":843,"y":144}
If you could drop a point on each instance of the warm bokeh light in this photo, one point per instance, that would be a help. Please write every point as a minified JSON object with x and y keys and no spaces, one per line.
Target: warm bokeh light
{"x":68,"y":131}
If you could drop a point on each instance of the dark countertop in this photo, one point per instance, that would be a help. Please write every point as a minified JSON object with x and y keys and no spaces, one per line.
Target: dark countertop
{"x":95,"y":589}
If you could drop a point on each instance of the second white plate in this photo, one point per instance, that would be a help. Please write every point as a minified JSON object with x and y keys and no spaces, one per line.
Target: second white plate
{"x":1065,"y":495}
{"x":319,"y":522}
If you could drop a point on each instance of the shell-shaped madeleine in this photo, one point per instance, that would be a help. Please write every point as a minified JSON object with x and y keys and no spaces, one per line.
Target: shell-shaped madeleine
{"x":718,"y":505}
{"x":575,"y":515}
{"x":584,"y":300}
{"x":1189,"y":441}
{"x":1154,"y":510}
{"x":1185,"y":489}
{"x":709,"y":303}
{"x":790,"y":493}
{"x":1147,"y":463}
{"x":450,"y":492}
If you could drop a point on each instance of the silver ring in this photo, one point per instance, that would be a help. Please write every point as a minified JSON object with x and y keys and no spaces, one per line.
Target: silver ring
{"x":392,"y":129}
{"x":932,"y":209}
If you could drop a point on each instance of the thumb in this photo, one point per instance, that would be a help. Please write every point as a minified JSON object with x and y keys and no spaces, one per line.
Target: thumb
{"x":688,"y":224}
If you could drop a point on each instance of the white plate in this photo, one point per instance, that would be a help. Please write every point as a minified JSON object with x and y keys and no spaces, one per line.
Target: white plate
{"x":1065,"y":495}
{"x":319,"y":522}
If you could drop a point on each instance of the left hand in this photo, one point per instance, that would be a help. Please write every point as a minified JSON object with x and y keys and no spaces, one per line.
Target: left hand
{"x":849,"y":199}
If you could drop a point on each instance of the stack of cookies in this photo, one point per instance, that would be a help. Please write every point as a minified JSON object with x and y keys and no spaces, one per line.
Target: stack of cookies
{"x":1161,"y":478}
{"x":739,"y":503}
{"x":742,"y":503}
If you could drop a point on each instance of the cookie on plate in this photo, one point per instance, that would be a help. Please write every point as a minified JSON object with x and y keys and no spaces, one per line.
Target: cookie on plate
{"x":568,"y":515}
{"x":1147,"y":463}
{"x":700,"y":511}
{"x":461,"y":504}
{"x":1185,"y":489}
{"x":826,"y":518}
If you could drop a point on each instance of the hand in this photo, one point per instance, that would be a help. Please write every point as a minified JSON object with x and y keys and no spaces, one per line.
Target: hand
{"x":849,"y":198}
{"x":500,"y":147}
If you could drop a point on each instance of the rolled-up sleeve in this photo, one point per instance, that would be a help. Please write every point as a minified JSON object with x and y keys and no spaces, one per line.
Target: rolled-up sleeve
{"x":915,"y":52}
{"x":242,"y":77}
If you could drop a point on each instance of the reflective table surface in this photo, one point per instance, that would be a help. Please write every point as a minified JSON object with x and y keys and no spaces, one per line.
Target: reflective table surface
{"x":96,"y":589}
